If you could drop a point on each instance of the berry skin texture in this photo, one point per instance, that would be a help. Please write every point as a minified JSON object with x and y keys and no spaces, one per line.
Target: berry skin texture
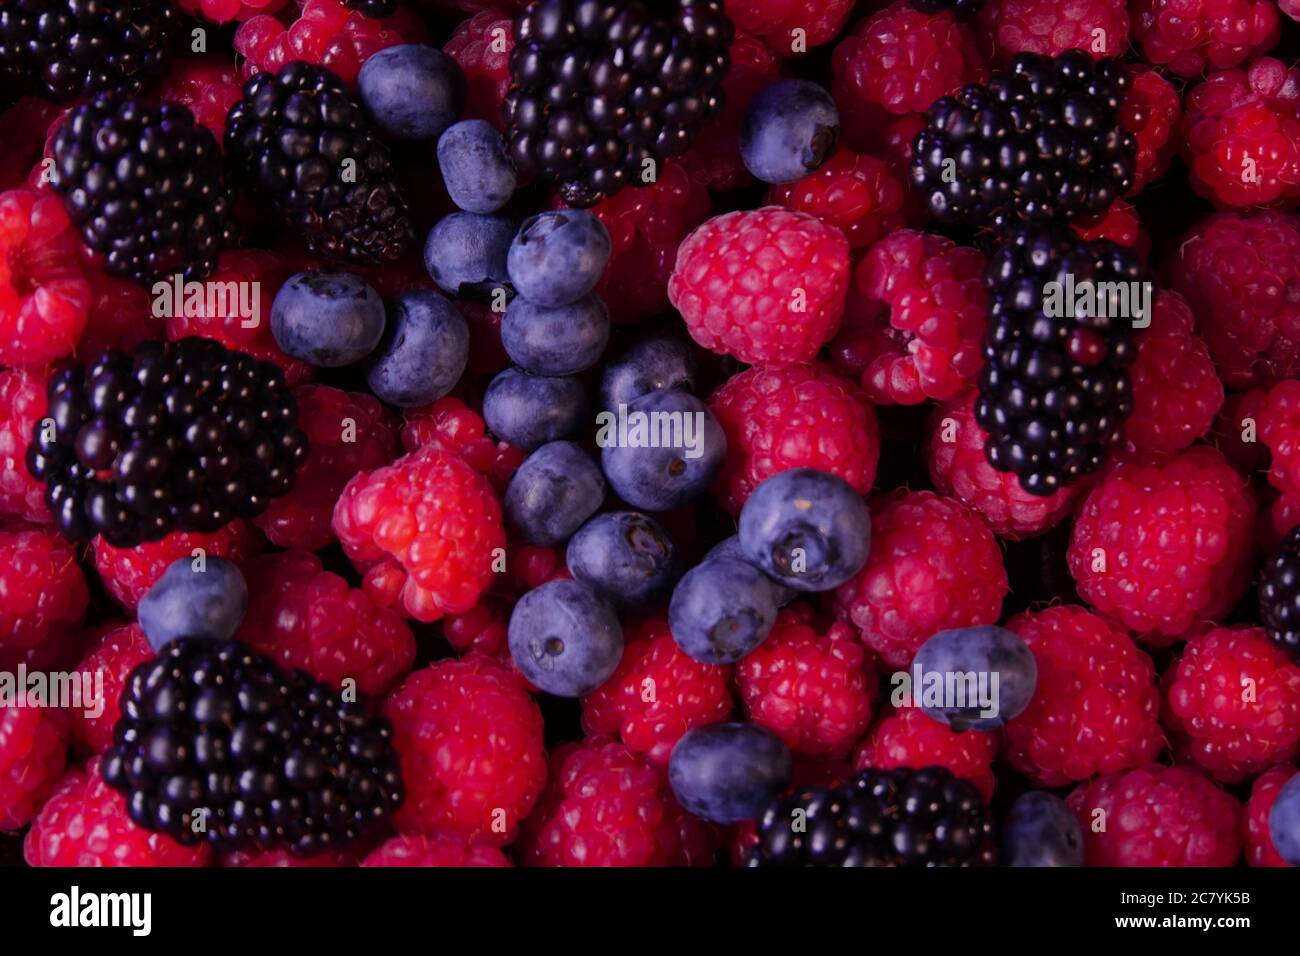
{"x":1255,"y":834}
{"x":114,"y":654}
{"x":33,"y":748}
{"x":909,"y":737}
{"x":208,"y":86}
{"x":934,"y":565}
{"x":766,"y":286}
{"x":1096,"y":706}
{"x":1232,"y":703}
{"x":774,"y":20}
{"x":1159,"y":544}
{"x":1278,"y":419}
{"x":470,"y":741}
{"x":44,"y":596}
{"x":859,"y":194}
{"x":22,"y":406}
{"x":1189,"y":36}
{"x":1150,"y":109}
{"x":438,"y":850}
{"x":800,"y":416}
{"x":1053,"y":26}
{"x":481,"y":47}
{"x":1157,"y":816}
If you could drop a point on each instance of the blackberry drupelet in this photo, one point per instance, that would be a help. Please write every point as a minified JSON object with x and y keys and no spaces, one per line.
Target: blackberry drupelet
{"x":1279,"y":595}
{"x":374,"y":8}
{"x":177,"y":436}
{"x":275,"y":758}
{"x":1040,"y":141}
{"x":303,"y":139}
{"x":598,"y":87}
{"x":900,"y":817}
{"x":145,"y":185}
{"x":1055,"y":390}
{"x":63,"y":49}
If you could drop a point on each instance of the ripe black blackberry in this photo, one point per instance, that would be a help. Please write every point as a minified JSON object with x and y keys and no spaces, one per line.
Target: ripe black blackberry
{"x":1279,"y":595}
{"x":145,"y":185}
{"x":1040,"y":141}
{"x":303,"y":139}
{"x":1055,"y":390}
{"x":374,"y":8}
{"x":897,"y":817}
{"x":64,"y":49}
{"x":217,"y":743}
{"x":177,"y":436}
{"x":599,"y":87}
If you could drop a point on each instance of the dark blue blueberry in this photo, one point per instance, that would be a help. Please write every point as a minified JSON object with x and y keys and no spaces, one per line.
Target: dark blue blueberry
{"x":187,"y":602}
{"x":478,"y":174}
{"x":650,"y":365}
{"x":556,"y":341}
{"x":565,"y":638}
{"x":660,"y":451}
{"x":789,"y":130}
{"x":722,"y":610}
{"x":558,"y":256}
{"x":807,"y":529}
{"x":625,"y":555}
{"x":1040,"y":830}
{"x":466,"y":254}
{"x":529,"y":410}
{"x":327,"y":319}
{"x":1284,"y":821}
{"x":424,"y":353}
{"x":728,"y":772}
{"x":555,"y":490}
{"x":982,"y":676}
{"x":730,"y":548}
{"x":412,"y":91}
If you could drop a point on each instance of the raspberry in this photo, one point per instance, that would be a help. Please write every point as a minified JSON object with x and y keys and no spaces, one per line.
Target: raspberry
{"x":111,"y":658}
{"x":776,"y":20}
{"x":860,"y":195}
{"x":33,"y":750}
{"x":801,"y":416}
{"x":1121,"y":224}
{"x":84,"y":823}
{"x":1095,"y":709}
{"x":908,"y":737}
{"x":1236,"y":430}
{"x":121,"y":316}
{"x":1150,"y":109}
{"x":470,"y":741}
{"x":764,"y":285}
{"x":1156,"y":816}
{"x":1162,"y":543}
{"x":223,"y":11}
{"x":287,"y":858}
{"x":129,"y":572}
{"x":1278,"y":419}
{"x":347,"y":433}
{"x":42,"y":596}
{"x":813,"y":690}
{"x":22,"y":405}
{"x":208,"y":85}
{"x":1232,"y":703}
{"x":934,"y":565}
{"x":1254,"y":821}
{"x":1050,"y":27}
{"x":917,"y":319}
{"x":482,"y":629}
{"x":1186,"y":36}
{"x":27,"y":124}
{"x":420,"y":850}
{"x":457,"y":428}
{"x":481,"y":46}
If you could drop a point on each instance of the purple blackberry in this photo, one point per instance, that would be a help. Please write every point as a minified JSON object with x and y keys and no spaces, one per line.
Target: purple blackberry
{"x":1279,"y":595}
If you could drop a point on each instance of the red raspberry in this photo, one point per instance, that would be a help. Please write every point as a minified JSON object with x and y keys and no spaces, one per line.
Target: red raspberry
{"x":84,"y":823}
{"x":347,"y":433}
{"x":1278,"y":419}
{"x":1151,"y":110}
{"x":1096,"y":707}
{"x":33,"y":751}
{"x":1050,"y":27}
{"x":776,"y":20}
{"x":933,"y":565}
{"x":1156,"y":816}
{"x":481,"y":630}
{"x":859,"y":194}
{"x":129,"y":572}
{"x":801,"y":416}
{"x":1236,"y":430}
{"x":1232,"y":703}
{"x":42,"y":597}
{"x":223,"y":11}
{"x":481,"y":46}
{"x":1121,"y":224}
{"x":1162,"y":543}
{"x":909,"y":737}
{"x":813,"y":690}
{"x":1254,"y":821}
{"x":1283,"y":515}
{"x":26,"y":124}
{"x":22,"y":405}
{"x":111,"y":658}
{"x":764,"y":285}
{"x":457,"y":428}
{"x":419,"y":850}
{"x":208,"y":85}
{"x":284,"y":858}
{"x":959,"y":469}
{"x":121,"y":316}
{"x":470,"y":741}
{"x":1187,"y":36}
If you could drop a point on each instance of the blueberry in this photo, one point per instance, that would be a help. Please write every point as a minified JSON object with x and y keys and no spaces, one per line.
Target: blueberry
{"x":424,"y":352}
{"x":466,"y":254}
{"x":730,"y":548}
{"x":721,"y":610}
{"x":974,"y":678}
{"x":807,"y":529}
{"x":187,"y":602}
{"x":556,"y":341}
{"x":789,"y":130}
{"x":1284,"y":821}
{"x":625,"y":555}
{"x":651,"y":365}
{"x":728,"y":772}
{"x":327,"y":319}
{"x":478,"y":174}
{"x":529,"y":410}
{"x":1040,"y":830}
{"x":565,"y":638}
{"x":558,"y":256}
{"x":660,"y":451}
{"x":555,"y":490}
{"x":412,"y":91}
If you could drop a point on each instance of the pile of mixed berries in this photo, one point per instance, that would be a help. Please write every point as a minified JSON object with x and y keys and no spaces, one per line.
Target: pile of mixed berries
{"x":673,"y":433}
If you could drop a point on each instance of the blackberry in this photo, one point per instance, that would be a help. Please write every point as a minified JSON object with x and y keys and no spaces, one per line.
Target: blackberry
{"x":65,"y":49}
{"x":1040,"y":141}
{"x":600,"y":87}
{"x":307,"y":144}
{"x":1279,"y":595}
{"x":175,"y":436}
{"x":145,"y":185}
{"x":1055,"y":391}
{"x":900,"y":817}
{"x":374,"y":8}
{"x":217,"y":743}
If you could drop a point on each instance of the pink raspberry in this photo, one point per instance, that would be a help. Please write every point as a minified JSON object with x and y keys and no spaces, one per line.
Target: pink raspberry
{"x":481,"y":46}
{"x":223,"y":11}
{"x":33,"y":751}
{"x":1236,"y":430}
{"x":909,"y":737}
{"x":1050,"y":27}
{"x":42,"y":596}
{"x":1255,"y":834}
{"x":856,"y":193}
{"x":1121,"y":224}
{"x":1278,"y":419}
{"x":208,"y":86}
{"x":416,"y":849}
{"x":1151,"y":110}
{"x":111,"y":658}
{"x":457,"y":428}
{"x":1187,"y":36}
{"x":22,"y":406}
{"x":776,"y":20}
{"x":128,"y":573}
